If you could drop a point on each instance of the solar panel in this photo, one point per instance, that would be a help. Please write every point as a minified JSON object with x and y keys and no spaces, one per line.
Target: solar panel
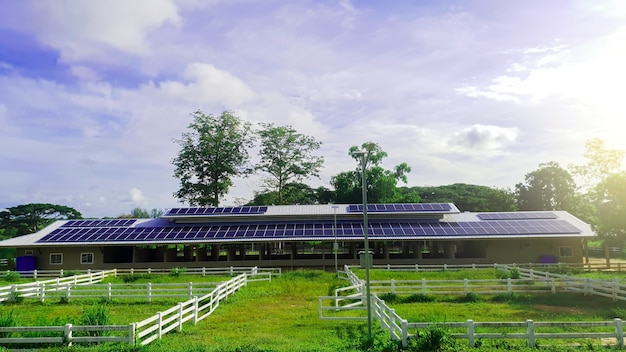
{"x":247,"y":210}
{"x":522,"y":215}
{"x":403,"y":208}
{"x":100,"y":223}
{"x":314,"y":230}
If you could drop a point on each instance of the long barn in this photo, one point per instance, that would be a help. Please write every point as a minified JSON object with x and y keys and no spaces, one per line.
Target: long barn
{"x":291,"y":236}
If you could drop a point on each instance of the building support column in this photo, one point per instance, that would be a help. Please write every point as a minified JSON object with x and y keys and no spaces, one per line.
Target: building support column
{"x":386,"y":250}
{"x":215,"y":252}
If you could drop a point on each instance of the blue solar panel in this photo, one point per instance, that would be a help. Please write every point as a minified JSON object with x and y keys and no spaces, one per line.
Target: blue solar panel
{"x":403,"y":208}
{"x":522,"y":215}
{"x":180,"y":212}
{"x":100,"y":223}
{"x":386,"y":229}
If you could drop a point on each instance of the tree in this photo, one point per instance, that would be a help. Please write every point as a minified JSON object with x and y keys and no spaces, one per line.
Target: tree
{"x":213,"y":152}
{"x":293,"y":193}
{"x":381,"y":183}
{"x":611,"y":198}
{"x":287,"y":156}
{"x":29,"y":218}
{"x":468,"y":197}
{"x":601,"y":162}
{"x":548,"y":188}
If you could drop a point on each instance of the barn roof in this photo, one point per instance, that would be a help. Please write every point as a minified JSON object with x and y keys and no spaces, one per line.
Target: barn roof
{"x":389,"y":222}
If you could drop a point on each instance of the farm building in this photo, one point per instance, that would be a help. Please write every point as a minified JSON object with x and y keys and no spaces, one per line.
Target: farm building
{"x":291,"y":236}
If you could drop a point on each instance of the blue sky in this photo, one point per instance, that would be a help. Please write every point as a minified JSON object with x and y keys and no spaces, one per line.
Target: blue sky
{"x":92,"y":94}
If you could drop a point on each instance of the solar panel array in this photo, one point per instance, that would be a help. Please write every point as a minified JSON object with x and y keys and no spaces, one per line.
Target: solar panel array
{"x":401,"y":208}
{"x":304,"y":231}
{"x":245,"y":210}
{"x":517,"y":216}
{"x":100,"y":223}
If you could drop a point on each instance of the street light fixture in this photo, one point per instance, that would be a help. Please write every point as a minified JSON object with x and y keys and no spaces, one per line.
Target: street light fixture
{"x":364,"y":156}
{"x":335,"y":245}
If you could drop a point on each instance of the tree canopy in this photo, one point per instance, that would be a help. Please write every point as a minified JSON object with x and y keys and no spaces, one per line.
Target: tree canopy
{"x":550,"y":187}
{"x":287,"y":157}
{"x":381,"y":183}
{"x":29,"y":218}
{"x":468,"y":197}
{"x":213,"y":152}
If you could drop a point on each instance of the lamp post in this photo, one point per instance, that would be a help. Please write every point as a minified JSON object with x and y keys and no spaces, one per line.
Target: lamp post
{"x":364,"y":155}
{"x":335,"y":245}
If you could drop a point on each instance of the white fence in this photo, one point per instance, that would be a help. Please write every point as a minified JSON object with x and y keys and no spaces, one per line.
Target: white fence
{"x":144,"y":332}
{"x":352,"y":298}
{"x":35,"y":289}
{"x":230,"y":271}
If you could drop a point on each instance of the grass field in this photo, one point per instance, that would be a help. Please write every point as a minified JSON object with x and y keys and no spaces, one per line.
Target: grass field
{"x":282,"y":315}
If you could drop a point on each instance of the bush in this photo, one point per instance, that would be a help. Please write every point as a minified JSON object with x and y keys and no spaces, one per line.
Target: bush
{"x":433,"y":338}
{"x":95,"y":315}
{"x":132,"y":278}
{"x":14,"y":297}
{"x":176,"y":272}
{"x":418,"y":298}
{"x":11,"y":276}
{"x":7,"y":321}
{"x":389,"y":297}
{"x":71,"y":273}
{"x":469,"y":297}
{"x":513,"y":273}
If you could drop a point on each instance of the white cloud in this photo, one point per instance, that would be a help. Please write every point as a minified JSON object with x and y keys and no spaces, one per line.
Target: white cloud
{"x":208,"y":84}
{"x":136,"y":196}
{"x":86,"y":29}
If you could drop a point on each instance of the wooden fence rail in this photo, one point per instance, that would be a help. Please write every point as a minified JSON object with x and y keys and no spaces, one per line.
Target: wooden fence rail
{"x":230,"y":271}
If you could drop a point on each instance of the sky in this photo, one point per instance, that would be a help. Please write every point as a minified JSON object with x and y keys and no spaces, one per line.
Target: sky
{"x":94,"y":93}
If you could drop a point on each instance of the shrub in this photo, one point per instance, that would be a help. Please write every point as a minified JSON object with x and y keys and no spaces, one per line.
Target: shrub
{"x":389,"y":297}
{"x":14,"y":297}
{"x":7,"y":321}
{"x":71,"y":273}
{"x":132,"y":278}
{"x":176,"y":272}
{"x":11,"y":276}
{"x":95,"y":315}
{"x":418,"y":298}
{"x":432,"y":338}
{"x":469,"y":297}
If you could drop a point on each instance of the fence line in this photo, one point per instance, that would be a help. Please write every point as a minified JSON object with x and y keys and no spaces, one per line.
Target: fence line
{"x":231,"y":271}
{"x":398,"y":328}
{"x":144,"y":332}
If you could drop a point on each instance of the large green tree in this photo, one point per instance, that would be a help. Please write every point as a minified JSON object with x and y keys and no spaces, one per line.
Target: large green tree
{"x":469,"y":197}
{"x":550,"y":187}
{"x":287,"y":157}
{"x":381,"y":183}
{"x":601,"y":162}
{"x":29,"y":218}
{"x":213,"y":151}
{"x":611,"y":197}
{"x":294,"y":193}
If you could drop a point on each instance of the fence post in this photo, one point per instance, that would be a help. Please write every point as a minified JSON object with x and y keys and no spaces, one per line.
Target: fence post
{"x":417,"y":267}
{"x":190,"y":290}
{"x":423,"y":286}
{"x":553,"y":286}
{"x":531,"y":273}
{"x":203,"y":271}
{"x":445,"y":267}
{"x":35,"y":274}
{"x":231,"y":271}
{"x":619,"y":332}
{"x":180,"y":316}
{"x":474,"y":266}
{"x":67,"y":292}
{"x":393,"y":286}
{"x":587,"y":290}
{"x":109,"y":289}
{"x":132,"y":271}
{"x":470,"y":332}
{"x":195,"y":310}
{"x":531,"y":333}
{"x":43,"y":292}
{"x":131,"y":333}
{"x":61,"y":273}
{"x":67,"y":334}
{"x":149,"y":292}
{"x":159,"y":324}
{"x":405,"y":332}
{"x":465,"y":286}
{"x":90,"y":276}
{"x":509,"y":285}
{"x":615,"y":289}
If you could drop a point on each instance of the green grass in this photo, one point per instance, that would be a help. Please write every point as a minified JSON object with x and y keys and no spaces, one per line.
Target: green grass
{"x":282,"y":315}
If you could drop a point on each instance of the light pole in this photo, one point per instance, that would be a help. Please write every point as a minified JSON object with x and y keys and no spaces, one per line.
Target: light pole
{"x":335,"y":245}
{"x":364,"y":155}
